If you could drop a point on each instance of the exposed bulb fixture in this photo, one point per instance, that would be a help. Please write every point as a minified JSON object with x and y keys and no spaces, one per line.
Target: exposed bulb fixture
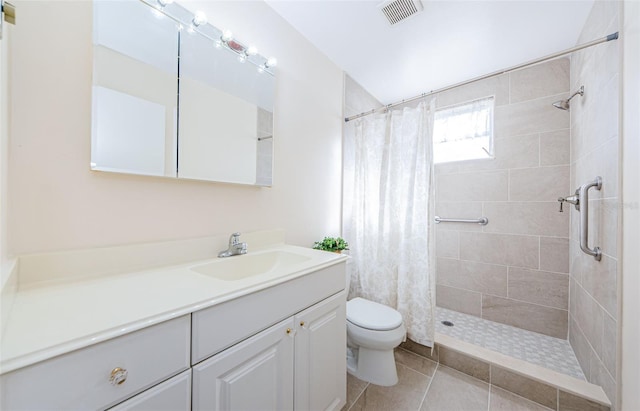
{"x":199,"y":18}
{"x":271,"y":62}
{"x":227,"y":36}
{"x":251,"y":51}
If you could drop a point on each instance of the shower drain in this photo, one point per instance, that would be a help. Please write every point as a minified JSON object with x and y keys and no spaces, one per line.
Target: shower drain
{"x":447,"y":323}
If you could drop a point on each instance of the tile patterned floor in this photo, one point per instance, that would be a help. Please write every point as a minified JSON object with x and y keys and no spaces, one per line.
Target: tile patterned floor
{"x":539,"y":349}
{"x":424,"y":385}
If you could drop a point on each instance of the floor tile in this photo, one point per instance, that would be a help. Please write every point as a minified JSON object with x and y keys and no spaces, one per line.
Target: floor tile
{"x":355,"y":387}
{"x":406,"y":395}
{"x":452,"y":390}
{"x":501,"y":400}
{"x":549,"y":352}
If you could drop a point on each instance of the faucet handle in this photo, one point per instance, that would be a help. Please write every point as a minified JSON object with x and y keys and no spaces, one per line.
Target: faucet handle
{"x":234,"y":239}
{"x":561,"y":200}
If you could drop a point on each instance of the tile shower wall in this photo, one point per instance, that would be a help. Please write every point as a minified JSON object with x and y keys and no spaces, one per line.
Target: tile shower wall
{"x":515,"y":269}
{"x":593,"y":320}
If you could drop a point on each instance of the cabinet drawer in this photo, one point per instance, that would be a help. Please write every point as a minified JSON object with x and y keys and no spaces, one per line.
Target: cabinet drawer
{"x":81,"y":379}
{"x":223,"y":325}
{"x":172,"y":395}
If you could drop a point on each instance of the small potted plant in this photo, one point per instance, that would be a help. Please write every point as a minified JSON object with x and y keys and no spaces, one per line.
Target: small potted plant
{"x":333,"y":244}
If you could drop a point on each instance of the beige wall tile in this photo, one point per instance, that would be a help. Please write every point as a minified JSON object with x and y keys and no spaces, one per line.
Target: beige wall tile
{"x":516,"y":152}
{"x":464,"y":301}
{"x":570,"y":402}
{"x":589,"y":317}
{"x":357,"y":99}
{"x":525,"y":387}
{"x":532,"y":317}
{"x":555,"y":148}
{"x":539,"y":287}
{"x":447,"y":243}
{"x":554,"y":254}
{"x":603,"y":225}
{"x":533,"y":116}
{"x":599,"y":279}
{"x":502,"y":400}
{"x":540,"y":80}
{"x":463,"y":209}
{"x":609,"y":346}
{"x":495,"y":86}
{"x":446,"y":168}
{"x":515,"y":250}
{"x":528,"y":218}
{"x":483,"y":186}
{"x":463,"y":363}
{"x":539,"y":184}
{"x":453,"y":390}
{"x":580,"y":346}
{"x":472,"y":276}
{"x":600,"y":376}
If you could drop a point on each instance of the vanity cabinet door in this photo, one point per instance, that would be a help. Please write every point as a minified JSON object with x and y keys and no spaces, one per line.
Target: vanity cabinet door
{"x":320,"y":355}
{"x":171,"y":395}
{"x":256,"y":374}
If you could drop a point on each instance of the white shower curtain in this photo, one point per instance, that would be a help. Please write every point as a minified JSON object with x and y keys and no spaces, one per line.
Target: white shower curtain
{"x":391,"y":224}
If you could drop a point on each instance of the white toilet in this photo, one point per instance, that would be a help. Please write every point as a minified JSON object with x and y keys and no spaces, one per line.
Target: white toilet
{"x":373,"y":331}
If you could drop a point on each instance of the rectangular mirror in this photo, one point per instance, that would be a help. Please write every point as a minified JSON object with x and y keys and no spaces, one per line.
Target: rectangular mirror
{"x":226,"y":115}
{"x":135,"y":66}
{"x":171,"y":99}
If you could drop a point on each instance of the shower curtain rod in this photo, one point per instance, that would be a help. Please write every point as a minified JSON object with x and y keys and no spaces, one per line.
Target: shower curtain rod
{"x":610,"y":37}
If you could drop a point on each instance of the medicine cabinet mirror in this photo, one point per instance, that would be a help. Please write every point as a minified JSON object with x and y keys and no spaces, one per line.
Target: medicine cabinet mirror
{"x":168,"y":100}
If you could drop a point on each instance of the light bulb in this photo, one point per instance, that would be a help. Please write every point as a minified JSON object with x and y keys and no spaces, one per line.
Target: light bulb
{"x":251,"y":51}
{"x":227,"y":36}
{"x":272,"y":62}
{"x":199,"y":18}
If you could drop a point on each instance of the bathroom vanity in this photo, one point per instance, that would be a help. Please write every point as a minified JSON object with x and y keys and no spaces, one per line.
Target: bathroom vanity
{"x":260,"y":331}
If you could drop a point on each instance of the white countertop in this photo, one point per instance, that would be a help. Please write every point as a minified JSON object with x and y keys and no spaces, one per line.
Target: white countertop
{"x":49,"y":320}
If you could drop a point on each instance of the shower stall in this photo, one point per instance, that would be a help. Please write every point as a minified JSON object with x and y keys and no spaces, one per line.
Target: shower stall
{"x":521,"y":284}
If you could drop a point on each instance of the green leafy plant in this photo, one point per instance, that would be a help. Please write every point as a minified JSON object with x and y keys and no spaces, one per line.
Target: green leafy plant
{"x":336,"y":244}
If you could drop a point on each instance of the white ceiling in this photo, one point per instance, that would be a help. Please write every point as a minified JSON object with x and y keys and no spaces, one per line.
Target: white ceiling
{"x":449,"y":42}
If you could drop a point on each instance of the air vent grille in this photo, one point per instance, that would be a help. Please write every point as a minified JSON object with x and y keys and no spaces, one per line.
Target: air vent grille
{"x":397,"y":10}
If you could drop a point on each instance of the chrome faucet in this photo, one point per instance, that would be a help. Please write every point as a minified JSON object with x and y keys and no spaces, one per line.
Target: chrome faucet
{"x":235,"y":247}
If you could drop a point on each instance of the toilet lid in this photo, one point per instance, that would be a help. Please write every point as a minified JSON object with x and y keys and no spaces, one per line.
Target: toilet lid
{"x":371,"y":315}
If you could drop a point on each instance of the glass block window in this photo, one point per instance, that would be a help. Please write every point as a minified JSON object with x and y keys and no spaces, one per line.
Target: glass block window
{"x":464,"y":131}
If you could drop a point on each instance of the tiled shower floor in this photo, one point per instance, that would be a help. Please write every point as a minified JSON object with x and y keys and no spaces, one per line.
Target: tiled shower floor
{"x":539,"y":349}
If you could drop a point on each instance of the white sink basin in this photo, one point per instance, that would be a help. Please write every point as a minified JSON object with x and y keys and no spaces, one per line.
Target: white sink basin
{"x":248,"y":265}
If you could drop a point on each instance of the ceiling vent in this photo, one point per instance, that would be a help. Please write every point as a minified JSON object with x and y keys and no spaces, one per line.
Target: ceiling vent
{"x":397,"y":10}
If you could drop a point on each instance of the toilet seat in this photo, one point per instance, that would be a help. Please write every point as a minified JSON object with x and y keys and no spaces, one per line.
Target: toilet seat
{"x":372,"y":316}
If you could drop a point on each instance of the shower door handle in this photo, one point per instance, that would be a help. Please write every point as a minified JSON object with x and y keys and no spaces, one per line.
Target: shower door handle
{"x":583,"y":195}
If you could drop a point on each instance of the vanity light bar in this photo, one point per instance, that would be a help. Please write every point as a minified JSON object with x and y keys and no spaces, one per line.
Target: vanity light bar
{"x":197,"y":23}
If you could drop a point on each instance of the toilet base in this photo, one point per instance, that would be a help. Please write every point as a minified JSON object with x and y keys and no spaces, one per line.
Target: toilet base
{"x":375,"y":366}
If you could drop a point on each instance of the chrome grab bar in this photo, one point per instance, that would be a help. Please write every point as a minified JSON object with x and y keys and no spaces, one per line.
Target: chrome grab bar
{"x":583,"y":198}
{"x":481,"y":220}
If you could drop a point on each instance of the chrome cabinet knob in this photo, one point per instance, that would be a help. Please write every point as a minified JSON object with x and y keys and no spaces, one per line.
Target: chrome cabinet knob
{"x":118,"y":376}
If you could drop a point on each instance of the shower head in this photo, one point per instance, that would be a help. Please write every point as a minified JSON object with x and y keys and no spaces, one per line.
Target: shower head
{"x":564,"y":104}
